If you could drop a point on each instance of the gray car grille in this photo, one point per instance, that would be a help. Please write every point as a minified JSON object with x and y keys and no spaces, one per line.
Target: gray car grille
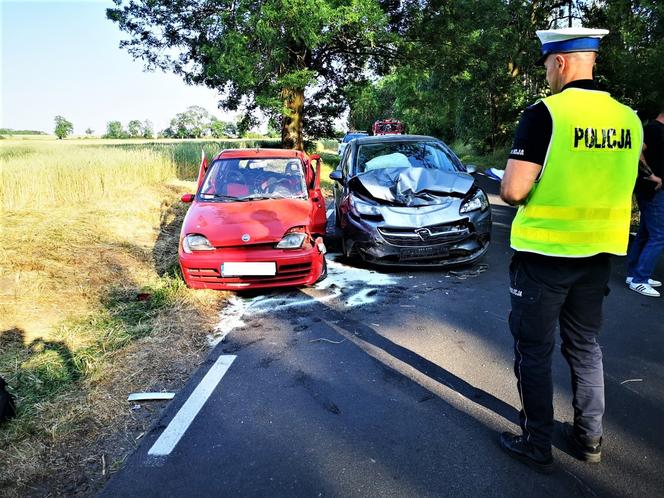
{"x":425,"y":236}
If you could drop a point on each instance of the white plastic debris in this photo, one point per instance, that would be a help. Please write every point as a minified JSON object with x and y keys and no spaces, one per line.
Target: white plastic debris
{"x":150,"y":396}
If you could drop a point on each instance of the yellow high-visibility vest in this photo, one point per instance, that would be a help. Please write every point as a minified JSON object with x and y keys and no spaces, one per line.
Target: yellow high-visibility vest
{"x":581,"y":205}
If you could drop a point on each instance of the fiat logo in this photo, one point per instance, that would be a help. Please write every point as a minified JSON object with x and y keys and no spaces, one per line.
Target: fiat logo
{"x":246,"y":237}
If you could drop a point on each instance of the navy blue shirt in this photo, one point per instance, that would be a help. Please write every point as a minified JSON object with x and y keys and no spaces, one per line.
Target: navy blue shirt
{"x":653,"y":137}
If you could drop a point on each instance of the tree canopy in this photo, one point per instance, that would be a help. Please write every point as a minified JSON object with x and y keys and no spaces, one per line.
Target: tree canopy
{"x":470,"y":69}
{"x":286,"y":57}
{"x":461,"y":70}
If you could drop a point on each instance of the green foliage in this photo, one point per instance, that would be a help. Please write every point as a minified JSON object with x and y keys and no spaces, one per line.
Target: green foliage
{"x":222,"y":129}
{"x":147,"y":130}
{"x":63,"y":128}
{"x":631,"y":62}
{"x":466,"y":68}
{"x":114,"y":129}
{"x":194,"y":122}
{"x":273,"y":128}
{"x":135,"y":128}
{"x":89,"y":131}
{"x":467,"y":72}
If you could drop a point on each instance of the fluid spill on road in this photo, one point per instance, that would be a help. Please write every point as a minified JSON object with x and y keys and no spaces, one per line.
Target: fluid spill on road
{"x":348,"y":286}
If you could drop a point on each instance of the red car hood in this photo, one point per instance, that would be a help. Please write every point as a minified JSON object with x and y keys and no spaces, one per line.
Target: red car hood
{"x":266,"y":221}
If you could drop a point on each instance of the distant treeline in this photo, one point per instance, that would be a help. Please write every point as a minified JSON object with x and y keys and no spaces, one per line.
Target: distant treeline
{"x":10,"y":131}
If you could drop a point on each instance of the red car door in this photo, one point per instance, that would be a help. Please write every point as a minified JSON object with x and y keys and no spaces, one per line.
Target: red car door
{"x":318,"y":214}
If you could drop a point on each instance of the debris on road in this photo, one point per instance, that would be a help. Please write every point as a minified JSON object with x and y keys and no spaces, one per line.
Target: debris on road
{"x":630,"y":380}
{"x":150,"y":396}
{"x":471,"y":272}
{"x":354,"y":287}
{"x":322,"y":339}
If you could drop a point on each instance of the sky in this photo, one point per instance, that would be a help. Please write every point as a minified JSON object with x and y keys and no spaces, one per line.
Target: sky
{"x":62,"y":58}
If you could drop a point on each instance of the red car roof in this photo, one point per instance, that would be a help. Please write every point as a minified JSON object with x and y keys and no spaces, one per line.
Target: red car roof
{"x":259,"y":153}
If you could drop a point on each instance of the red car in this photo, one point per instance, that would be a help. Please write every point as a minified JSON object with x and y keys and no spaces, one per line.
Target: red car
{"x":257,"y":221}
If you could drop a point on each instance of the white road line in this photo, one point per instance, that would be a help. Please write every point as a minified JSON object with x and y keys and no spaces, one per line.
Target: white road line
{"x":185,"y":416}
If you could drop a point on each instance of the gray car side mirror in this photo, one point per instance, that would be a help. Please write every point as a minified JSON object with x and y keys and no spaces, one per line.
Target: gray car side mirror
{"x":336,"y":176}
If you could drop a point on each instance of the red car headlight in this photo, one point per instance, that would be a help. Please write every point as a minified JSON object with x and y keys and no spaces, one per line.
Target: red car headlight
{"x":195,"y":242}
{"x":293,"y":239}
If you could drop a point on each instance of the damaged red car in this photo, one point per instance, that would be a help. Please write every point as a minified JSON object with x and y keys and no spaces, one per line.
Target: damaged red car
{"x":256,"y":221}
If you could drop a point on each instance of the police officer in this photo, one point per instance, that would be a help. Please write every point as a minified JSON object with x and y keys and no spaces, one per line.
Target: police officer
{"x":571,"y":171}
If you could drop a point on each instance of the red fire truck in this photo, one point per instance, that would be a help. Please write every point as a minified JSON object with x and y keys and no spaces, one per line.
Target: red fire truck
{"x":388,"y":127}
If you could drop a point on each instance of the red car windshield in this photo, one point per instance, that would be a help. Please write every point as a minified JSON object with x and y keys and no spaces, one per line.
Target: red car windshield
{"x":246,"y":179}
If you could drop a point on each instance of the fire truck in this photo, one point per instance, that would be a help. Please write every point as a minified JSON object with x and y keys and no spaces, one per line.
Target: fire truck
{"x":388,"y":127}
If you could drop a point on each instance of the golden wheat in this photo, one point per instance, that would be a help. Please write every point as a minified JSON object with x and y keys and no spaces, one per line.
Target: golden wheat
{"x":53,"y":175}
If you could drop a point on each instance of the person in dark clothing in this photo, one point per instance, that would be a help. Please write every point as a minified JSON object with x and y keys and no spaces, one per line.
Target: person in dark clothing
{"x":571,"y":171}
{"x":647,"y":247}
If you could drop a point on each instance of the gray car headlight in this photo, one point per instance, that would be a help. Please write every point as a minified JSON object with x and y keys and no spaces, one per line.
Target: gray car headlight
{"x":363,"y":208}
{"x":477,"y":201}
{"x":195,"y":242}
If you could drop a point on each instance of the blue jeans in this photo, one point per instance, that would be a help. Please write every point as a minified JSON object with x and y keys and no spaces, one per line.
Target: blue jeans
{"x":648,"y":245}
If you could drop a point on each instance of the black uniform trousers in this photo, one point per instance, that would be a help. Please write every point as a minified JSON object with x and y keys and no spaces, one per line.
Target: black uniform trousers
{"x":546,"y":291}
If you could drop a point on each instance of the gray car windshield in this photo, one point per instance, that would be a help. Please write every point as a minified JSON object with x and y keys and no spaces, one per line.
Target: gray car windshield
{"x":431,"y":155}
{"x":248,"y":179}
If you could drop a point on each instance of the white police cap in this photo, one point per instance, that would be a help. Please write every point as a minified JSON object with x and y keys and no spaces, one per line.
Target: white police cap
{"x":565,"y":40}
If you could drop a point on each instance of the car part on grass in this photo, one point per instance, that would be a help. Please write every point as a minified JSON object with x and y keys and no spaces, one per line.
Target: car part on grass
{"x":150,"y":396}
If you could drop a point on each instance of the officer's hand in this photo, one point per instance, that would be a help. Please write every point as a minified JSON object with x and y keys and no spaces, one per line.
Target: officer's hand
{"x":657,"y":180}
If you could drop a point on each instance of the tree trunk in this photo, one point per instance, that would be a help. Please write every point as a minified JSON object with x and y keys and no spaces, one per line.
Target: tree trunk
{"x":291,"y":129}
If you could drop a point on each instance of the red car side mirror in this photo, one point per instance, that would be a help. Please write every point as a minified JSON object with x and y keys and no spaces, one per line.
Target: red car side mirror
{"x":187,"y":198}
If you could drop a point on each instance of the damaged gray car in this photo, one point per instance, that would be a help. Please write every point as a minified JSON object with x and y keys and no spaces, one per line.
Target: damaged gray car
{"x":408,"y":200}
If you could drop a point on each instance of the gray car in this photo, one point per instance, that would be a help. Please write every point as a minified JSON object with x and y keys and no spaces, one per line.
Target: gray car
{"x":407,"y":200}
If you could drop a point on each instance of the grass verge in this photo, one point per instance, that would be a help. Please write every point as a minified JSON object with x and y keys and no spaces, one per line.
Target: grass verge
{"x":330,"y":161}
{"x":91,"y":309}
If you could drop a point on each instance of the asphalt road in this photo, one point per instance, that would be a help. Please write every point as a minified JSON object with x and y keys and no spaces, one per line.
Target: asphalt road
{"x":405,"y":394}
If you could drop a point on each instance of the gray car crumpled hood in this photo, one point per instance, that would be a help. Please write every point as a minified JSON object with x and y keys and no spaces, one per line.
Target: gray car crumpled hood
{"x":414,"y":186}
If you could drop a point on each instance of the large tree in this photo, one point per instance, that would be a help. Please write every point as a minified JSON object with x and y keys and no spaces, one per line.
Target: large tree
{"x":63,"y":128}
{"x":290,"y":58}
